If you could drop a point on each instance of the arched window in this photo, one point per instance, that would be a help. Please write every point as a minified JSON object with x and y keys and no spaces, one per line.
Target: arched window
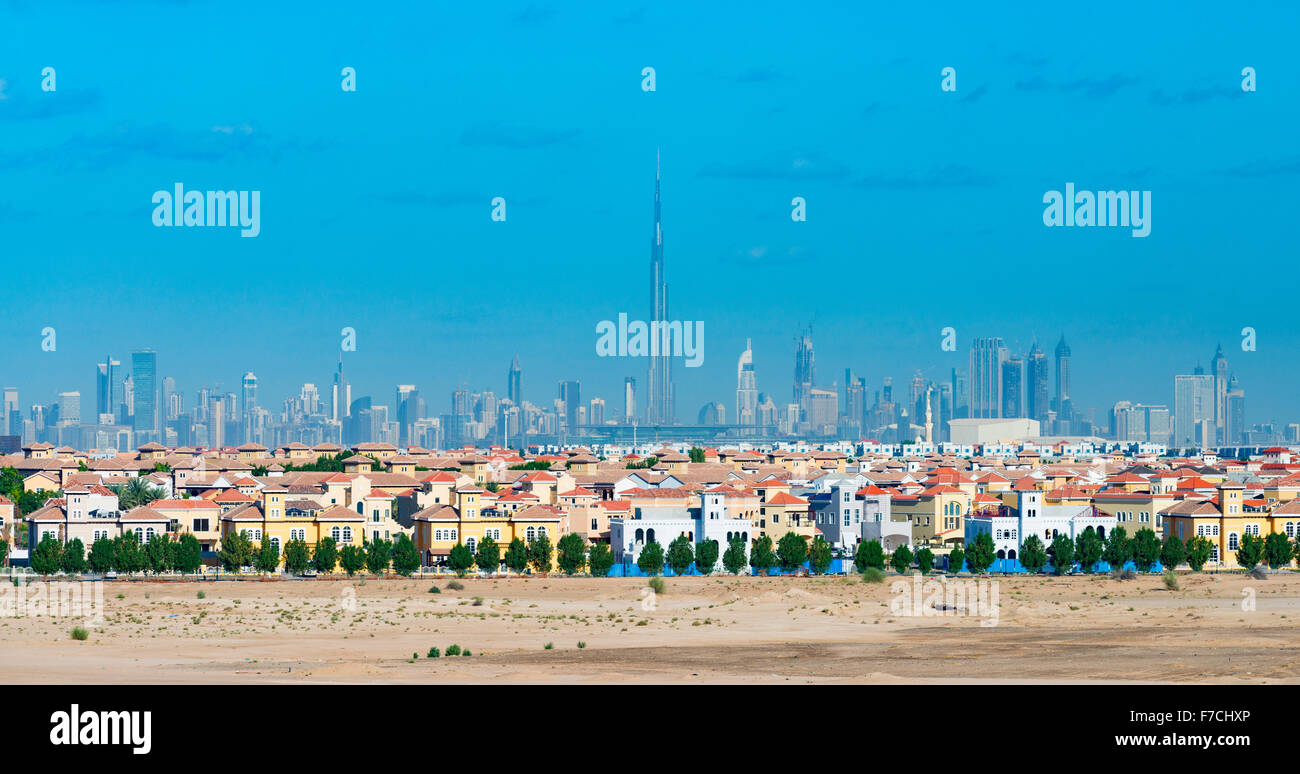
{"x":1290,"y":529}
{"x":1232,"y":541}
{"x":275,"y":542}
{"x":334,"y":533}
{"x":650,"y":535}
{"x":1002,"y":554}
{"x":1011,"y":554}
{"x":541,"y":531}
{"x":347,"y":534}
{"x":531,"y":533}
{"x":148,"y":534}
{"x":471,"y":544}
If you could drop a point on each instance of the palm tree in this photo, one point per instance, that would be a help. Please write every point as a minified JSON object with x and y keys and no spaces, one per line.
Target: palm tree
{"x":136,"y":492}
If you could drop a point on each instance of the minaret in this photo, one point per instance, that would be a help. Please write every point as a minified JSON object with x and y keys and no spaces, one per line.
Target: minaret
{"x":659,"y":405}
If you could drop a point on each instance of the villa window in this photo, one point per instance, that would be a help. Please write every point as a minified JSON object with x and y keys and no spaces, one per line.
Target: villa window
{"x":1232,"y":541}
{"x":334,"y":533}
{"x":347,"y":534}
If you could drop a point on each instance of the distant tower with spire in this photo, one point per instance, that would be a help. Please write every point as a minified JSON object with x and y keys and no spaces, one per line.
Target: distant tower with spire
{"x":660,"y":409}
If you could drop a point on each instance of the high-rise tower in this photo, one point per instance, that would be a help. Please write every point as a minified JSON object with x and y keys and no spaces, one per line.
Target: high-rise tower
{"x":514,"y":383}
{"x":805,"y":374}
{"x":659,"y":401}
{"x":1219,"y":369}
{"x":746,"y":388}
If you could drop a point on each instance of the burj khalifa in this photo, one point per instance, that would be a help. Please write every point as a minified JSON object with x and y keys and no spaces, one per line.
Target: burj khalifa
{"x":659,"y":406}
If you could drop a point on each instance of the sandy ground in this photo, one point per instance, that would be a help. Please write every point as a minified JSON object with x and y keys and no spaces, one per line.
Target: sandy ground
{"x":716,"y":630}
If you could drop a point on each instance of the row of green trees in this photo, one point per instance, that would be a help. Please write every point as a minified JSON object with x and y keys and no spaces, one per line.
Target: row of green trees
{"x":376,"y":556}
{"x":124,"y":554}
{"x":1144,"y":549}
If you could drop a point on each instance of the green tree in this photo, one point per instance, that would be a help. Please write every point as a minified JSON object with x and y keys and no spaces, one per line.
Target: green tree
{"x":706,"y":556}
{"x":102,"y":556}
{"x":128,"y":557}
{"x":236,"y":551}
{"x":762,"y":558}
{"x":955,"y":560}
{"x":925,"y":560}
{"x":820,"y":555}
{"x":601,"y":560}
{"x":189,"y":554}
{"x":325,"y":557}
{"x":539,"y":553}
{"x":1172,"y":552}
{"x":1250,"y":551}
{"x":516,"y":557}
{"x":869,"y":554}
{"x":1119,"y":549}
{"x":651,"y":560}
{"x":680,"y":555}
{"x":1198,"y":552}
{"x":734,"y":559}
{"x":267,"y":558}
{"x":1062,"y":552}
{"x":4,"y":553}
{"x":1146,"y":549}
{"x":571,"y":553}
{"x":488,"y":555}
{"x":47,"y":557}
{"x":979,"y":554}
{"x":406,"y":557}
{"x":1278,"y":550}
{"x":136,"y":492}
{"x":1033,"y":554}
{"x":352,"y":558}
{"x":158,"y":554}
{"x":901,"y":559}
{"x":1088,"y":548}
{"x":379,"y":553}
{"x":696,"y":454}
{"x":74,"y":557}
{"x":791,"y":551}
{"x":297,"y":557}
{"x":460,"y":559}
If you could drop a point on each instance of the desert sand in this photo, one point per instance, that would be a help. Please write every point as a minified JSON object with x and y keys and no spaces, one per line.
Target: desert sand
{"x":702,"y":629}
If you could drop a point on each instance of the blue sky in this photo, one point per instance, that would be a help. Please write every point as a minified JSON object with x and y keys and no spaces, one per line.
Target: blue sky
{"x":924,"y":207}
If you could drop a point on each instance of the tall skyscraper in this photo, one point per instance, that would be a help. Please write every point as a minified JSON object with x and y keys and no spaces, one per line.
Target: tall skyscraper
{"x":1234,"y":427}
{"x":69,"y":408}
{"x":144,"y":377}
{"x":1194,"y":410}
{"x":514,"y":383}
{"x":1036,"y":386}
{"x":746,"y":388}
{"x":629,"y":399}
{"x":986,"y":358}
{"x":11,"y":409}
{"x":249,"y":384}
{"x":1219,"y":369}
{"x":1013,"y":380}
{"x":108,"y":386}
{"x":660,"y":408}
{"x":571,"y":396}
{"x":805,"y":372}
{"x":340,"y":395}
{"x":1062,"y":376}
